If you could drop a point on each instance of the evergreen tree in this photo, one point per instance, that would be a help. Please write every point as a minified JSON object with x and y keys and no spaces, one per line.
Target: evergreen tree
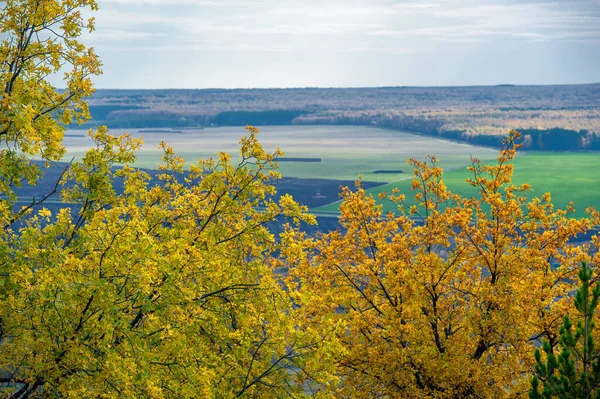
{"x":575,"y":372}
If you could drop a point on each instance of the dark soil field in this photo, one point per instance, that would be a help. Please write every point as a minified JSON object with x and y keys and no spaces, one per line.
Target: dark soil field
{"x":316,"y":192}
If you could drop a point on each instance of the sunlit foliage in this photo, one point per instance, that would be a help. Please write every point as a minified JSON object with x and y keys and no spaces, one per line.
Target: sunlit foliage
{"x":40,"y":40}
{"x":444,"y":299}
{"x":163,"y":291}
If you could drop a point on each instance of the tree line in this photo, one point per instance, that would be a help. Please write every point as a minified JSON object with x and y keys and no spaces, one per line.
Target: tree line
{"x":550,"y":139}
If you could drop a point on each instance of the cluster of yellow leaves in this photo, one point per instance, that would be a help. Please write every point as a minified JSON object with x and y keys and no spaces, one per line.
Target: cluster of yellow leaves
{"x":444,"y":300}
{"x":166,"y":290}
{"x":39,"y":40}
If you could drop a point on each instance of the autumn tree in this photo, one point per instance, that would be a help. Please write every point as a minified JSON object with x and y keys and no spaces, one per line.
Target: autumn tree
{"x":443,"y":299}
{"x":40,"y":40}
{"x":164,"y":289}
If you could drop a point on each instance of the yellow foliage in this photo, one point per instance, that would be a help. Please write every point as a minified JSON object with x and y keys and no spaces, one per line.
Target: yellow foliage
{"x":445,"y":301}
{"x":40,"y":39}
{"x":166,"y":290}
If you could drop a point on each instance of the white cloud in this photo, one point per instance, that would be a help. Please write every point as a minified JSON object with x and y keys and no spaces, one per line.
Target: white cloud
{"x":435,"y":20}
{"x":292,"y":31}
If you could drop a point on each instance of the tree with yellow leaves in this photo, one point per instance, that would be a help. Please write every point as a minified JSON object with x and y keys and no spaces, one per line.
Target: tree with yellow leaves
{"x":443,"y":300}
{"x":165,"y":290}
{"x":40,"y":40}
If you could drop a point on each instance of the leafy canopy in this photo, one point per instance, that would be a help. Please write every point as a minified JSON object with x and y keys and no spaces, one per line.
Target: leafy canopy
{"x":40,"y":40}
{"x":165,"y":289}
{"x":444,"y":299}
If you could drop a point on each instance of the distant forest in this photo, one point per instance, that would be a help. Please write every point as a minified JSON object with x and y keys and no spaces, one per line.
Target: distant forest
{"x":557,"y":118}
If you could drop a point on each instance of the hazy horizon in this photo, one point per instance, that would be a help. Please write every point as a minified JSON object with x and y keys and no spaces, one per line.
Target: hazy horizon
{"x":345,"y":87}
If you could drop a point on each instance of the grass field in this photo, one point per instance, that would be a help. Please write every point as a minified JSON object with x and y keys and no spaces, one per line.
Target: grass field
{"x":349,"y":151}
{"x":345,"y":151}
{"x":567,"y":176}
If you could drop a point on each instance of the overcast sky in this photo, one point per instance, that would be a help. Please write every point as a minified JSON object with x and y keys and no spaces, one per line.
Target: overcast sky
{"x":341,"y":43}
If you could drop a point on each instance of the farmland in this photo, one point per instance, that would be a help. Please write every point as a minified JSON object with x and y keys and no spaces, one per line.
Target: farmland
{"x":345,"y":152}
{"x":325,"y":157}
{"x":337,"y":134}
{"x":567,"y":176}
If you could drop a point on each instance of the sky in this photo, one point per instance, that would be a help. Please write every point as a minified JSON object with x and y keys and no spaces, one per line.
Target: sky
{"x":345,"y":43}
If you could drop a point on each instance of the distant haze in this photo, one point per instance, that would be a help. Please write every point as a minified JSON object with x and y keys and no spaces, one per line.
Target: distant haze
{"x":345,"y":43}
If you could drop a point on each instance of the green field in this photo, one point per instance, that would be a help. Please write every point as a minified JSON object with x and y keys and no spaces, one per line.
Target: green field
{"x":349,"y":151}
{"x":567,"y":176}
